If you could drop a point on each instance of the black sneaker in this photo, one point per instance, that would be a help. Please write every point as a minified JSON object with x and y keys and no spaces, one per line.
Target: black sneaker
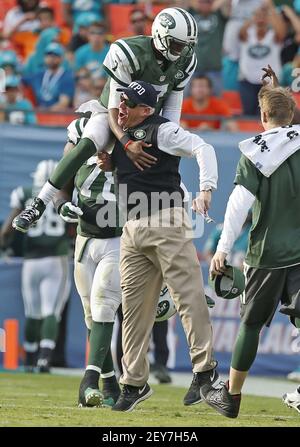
{"x":111,"y":391}
{"x":132,"y":395}
{"x":193,"y":396}
{"x":226,"y":404}
{"x":161,"y":374}
{"x":29,"y":216}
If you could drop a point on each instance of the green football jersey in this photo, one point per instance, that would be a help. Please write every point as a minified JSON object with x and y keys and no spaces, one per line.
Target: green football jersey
{"x":133,"y":59}
{"x":48,"y":237}
{"x":98,"y":202}
{"x":95,"y":190}
{"x":274,"y":239}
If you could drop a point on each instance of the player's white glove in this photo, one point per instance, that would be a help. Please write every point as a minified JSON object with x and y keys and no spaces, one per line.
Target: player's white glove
{"x":69,"y":212}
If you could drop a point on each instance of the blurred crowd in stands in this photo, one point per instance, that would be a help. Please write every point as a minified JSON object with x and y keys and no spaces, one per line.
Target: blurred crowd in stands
{"x":52,"y":52}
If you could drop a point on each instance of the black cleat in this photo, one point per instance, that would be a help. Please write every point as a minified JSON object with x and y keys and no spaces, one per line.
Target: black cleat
{"x":131,"y":396}
{"x":111,"y":391}
{"x":161,"y":374}
{"x":29,"y":216}
{"x":224,"y":403}
{"x":43,"y":365}
{"x":193,"y":396}
{"x":89,"y":397}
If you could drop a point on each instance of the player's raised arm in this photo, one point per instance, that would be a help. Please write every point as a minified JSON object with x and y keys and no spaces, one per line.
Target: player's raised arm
{"x":269,"y":78}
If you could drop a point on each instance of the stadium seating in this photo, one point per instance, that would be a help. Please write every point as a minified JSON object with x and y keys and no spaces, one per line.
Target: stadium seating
{"x":233,"y":99}
{"x":251,"y":126}
{"x":54,"y":119}
{"x":5,"y":6}
{"x":115,"y":11}
{"x":55,"y":4}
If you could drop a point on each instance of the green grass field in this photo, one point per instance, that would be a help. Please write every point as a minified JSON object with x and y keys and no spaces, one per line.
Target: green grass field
{"x":48,"y":400}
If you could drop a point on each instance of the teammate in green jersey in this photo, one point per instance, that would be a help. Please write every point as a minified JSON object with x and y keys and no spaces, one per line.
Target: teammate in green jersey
{"x":46,"y":281}
{"x":267,"y":179}
{"x":167,"y":60}
{"x":292,"y":400}
{"x":96,"y":267}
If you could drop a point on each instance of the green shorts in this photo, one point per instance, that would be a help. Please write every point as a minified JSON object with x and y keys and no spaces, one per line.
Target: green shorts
{"x":265,"y":289}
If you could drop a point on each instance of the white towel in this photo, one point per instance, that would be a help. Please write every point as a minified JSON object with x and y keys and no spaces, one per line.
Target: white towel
{"x":271,"y":148}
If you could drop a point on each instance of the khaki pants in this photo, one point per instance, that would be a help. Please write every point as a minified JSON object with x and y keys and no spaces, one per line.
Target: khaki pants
{"x":150,"y":255}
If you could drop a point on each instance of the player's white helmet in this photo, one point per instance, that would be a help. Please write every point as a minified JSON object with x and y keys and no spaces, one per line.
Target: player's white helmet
{"x":166,"y":307}
{"x":42,"y":173}
{"x":173,"y":30}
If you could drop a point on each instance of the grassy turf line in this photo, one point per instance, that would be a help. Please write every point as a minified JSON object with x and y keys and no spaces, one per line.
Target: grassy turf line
{"x":45,"y":400}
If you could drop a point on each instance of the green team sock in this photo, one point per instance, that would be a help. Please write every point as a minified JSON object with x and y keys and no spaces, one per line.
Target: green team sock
{"x":32,"y":330}
{"x":297,"y":323}
{"x":110,"y":386}
{"x":245,"y":348}
{"x":108,"y":364}
{"x":31,"y":342}
{"x":49,"y":329}
{"x":100,"y":339}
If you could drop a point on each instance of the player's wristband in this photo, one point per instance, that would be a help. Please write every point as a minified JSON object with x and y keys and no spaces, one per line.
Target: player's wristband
{"x":125,"y":140}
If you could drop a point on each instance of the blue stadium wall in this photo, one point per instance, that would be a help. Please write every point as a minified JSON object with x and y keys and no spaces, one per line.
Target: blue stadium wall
{"x":21,"y":148}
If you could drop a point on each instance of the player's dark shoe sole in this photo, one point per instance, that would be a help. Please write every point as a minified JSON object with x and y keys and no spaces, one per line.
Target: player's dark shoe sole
{"x":29,"y":216}
{"x":224,"y":403}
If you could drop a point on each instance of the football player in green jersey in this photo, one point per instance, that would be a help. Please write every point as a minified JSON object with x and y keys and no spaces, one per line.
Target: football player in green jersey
{"x":96,"y":267}
{"x":267,"y":177}
{"x":46,"y":281}
{"x":167,"y":60}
